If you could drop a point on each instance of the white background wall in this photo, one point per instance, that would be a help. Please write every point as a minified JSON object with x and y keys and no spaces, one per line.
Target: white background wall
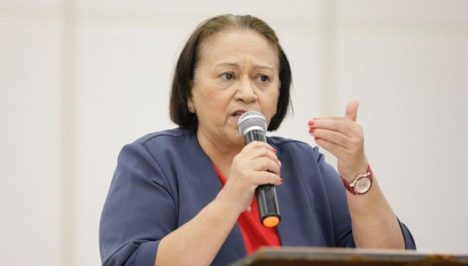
{"x":80,"y":78}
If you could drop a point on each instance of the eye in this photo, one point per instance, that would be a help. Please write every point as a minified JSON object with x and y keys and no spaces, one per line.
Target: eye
{"x":227,"y":76}
{"x":263,"y":78}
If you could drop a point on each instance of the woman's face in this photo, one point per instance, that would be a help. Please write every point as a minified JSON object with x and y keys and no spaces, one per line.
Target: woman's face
{"x":237,"y":72}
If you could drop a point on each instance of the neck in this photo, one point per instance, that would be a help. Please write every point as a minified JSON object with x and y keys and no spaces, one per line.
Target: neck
{"x":219,"y":153}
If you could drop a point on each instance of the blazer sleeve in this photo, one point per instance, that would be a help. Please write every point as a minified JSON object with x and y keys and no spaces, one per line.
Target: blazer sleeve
{"x":339,"y":208}
{"x":139,"y":211}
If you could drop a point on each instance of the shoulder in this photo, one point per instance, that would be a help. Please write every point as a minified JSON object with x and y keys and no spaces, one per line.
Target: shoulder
{"x":166,"y":140}
{"x":154,"y":157}
{"x":165,"y":136}
{"x":159,"y":146}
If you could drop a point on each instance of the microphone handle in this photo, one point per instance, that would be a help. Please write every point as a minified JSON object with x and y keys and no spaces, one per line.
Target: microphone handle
{"x":266,"y":194}
{"x":268,"y":205}
{"x":254,"y":135}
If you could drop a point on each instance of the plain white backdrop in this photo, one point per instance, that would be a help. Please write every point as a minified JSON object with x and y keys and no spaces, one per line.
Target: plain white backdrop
{"x":81,"y":78}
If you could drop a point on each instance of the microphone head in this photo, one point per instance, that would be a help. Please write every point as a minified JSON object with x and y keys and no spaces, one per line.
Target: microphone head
{"x":252,"y":120}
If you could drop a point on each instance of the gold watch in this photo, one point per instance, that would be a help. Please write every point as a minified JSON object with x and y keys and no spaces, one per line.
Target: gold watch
{"x":361,"y":184}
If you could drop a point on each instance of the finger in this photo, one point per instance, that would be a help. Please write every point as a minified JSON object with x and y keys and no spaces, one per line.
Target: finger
{"x":342,"y":125}
{"x":334,"y":149}
{"x":325,"y":118}
{"x":260,"y":150}
{"x":266,"y":164}
{"x":331,"y":136}
{"x":263,"y":178}
{"x":351,"y":110}
{"x":262,"y":153}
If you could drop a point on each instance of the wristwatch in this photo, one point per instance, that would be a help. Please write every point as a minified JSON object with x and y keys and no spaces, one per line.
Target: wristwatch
{"x":361,"y":184}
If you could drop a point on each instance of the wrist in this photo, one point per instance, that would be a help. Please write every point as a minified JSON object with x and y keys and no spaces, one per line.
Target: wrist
{"x":361,"y":183}
{"x":231,"y":205}
{"x":349,"y":172}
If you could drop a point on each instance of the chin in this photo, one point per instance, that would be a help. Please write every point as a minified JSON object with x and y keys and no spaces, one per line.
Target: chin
{"x":238,"y":139}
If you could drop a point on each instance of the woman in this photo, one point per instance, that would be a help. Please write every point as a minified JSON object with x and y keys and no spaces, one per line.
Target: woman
{"x":186,"y":196}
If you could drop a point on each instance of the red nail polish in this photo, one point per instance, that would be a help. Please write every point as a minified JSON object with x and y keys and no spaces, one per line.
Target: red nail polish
{"x":311,"y":122}
{"x":316,"y":138}
{"x":311,"y":130}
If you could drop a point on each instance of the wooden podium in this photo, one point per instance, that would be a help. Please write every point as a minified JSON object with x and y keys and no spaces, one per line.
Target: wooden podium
{"x":299,"y":256}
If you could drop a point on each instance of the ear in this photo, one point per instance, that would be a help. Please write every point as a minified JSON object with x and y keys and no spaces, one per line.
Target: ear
{"x":190,"y":106}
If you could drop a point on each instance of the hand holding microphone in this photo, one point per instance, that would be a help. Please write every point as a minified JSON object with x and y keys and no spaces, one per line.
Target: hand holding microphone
{"x":252,"y":125}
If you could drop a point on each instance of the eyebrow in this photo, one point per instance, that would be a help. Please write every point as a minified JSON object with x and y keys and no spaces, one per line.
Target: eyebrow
{"x":229,"y":64}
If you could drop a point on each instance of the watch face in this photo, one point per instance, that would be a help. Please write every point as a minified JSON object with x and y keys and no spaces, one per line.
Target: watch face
{"x":362,"y":185}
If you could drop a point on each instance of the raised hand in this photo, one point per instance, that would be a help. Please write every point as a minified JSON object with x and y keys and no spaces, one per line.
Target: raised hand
{"x":343,"y":138}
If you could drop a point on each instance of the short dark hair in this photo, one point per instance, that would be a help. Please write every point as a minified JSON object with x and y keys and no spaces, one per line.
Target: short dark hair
{"x":184,"y":72}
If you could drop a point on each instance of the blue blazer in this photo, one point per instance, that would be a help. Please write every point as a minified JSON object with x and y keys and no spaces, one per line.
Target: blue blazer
{"x":164,"y":179}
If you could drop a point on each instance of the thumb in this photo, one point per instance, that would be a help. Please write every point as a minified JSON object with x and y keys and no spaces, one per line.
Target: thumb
{"x":351,"y":110}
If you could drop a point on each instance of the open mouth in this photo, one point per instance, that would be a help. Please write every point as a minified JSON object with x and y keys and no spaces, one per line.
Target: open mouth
{"x":237,"y":114}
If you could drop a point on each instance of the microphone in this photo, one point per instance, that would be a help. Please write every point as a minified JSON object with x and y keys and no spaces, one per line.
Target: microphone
{"x":252,"y":125}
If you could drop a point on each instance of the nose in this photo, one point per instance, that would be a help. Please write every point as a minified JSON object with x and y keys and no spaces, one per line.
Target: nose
{"x":246,"y":91}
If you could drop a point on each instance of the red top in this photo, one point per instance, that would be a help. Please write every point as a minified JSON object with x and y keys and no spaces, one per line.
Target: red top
{"x":254,"y":233}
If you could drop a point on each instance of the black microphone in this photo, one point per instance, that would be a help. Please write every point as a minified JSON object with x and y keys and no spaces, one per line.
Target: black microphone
{"x":252,"y":125}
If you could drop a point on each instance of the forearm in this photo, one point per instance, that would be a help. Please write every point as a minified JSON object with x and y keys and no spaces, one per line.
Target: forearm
{"x":198,"y":241}
{"x":373,"y":221}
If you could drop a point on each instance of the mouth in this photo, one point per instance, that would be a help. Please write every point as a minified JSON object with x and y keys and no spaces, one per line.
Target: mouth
{"x":237,"y":113}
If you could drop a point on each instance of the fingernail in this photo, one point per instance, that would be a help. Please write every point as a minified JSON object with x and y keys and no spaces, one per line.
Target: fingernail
{"x":311,"y":122}
{"x":311,"y":130}
{"x":316,"y":138}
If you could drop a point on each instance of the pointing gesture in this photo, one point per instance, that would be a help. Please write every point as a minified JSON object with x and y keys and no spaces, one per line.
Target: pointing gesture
{"x":343,"y":138}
